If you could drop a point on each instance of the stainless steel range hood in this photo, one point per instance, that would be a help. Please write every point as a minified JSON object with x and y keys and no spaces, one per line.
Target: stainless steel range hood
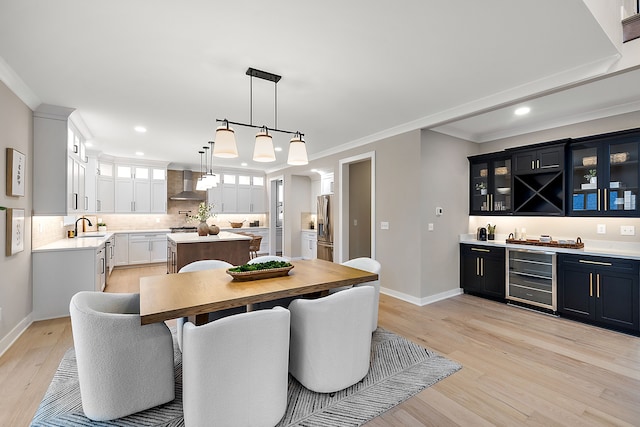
{"x":187,"y":189}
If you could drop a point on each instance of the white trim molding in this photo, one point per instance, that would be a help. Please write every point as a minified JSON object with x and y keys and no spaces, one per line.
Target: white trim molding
{"x":15,"y":333}
{"x":17,"y":85}
{"x":421,"y":301}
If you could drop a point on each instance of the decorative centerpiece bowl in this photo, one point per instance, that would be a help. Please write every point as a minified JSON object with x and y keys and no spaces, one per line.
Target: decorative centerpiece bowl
{"x":236,"y":224}
{"x":263,"y":270}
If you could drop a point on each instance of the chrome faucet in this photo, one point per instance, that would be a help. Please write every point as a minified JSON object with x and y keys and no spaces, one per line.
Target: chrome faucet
{"x":75,"y":231}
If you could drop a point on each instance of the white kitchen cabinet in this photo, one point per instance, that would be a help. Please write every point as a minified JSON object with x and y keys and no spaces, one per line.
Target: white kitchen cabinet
{"x":132,"y":189}
{"x":60,"y":274}
{"x":238,"y":193}
{"x":145,"y":248}
{"x":58,"y":168}
{"x":122,"y":249}
{"x":101,"y":269}
{"x":158,"y":202}
{"x":105,"y":189}
{"x":308,"y":245}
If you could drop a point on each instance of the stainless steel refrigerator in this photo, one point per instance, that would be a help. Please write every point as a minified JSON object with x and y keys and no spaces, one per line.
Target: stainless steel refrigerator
{"x":325,"y":227}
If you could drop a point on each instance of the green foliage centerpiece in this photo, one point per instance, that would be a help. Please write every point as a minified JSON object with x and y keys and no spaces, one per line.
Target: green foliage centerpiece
{"x":260,"y":270}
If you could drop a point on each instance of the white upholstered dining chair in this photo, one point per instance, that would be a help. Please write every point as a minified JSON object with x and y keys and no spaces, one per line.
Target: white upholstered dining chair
{"x":372,"y":266}
{"x":206,"y":264}
{"x":123,"y":367}
{"x":235,"y":370}
{"x":330,"y":345}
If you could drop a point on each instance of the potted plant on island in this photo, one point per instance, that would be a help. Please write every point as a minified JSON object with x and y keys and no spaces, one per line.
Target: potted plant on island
{"x":102,"y":227}
{"x":204,"y":213}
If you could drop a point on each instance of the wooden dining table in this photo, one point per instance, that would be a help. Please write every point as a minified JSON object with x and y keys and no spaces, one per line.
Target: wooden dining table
{"x":195,"y":294}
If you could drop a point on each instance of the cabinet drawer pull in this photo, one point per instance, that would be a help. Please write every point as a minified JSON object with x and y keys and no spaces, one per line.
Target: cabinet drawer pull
{"x":584,"y":261}
{"x":590,"y":284}
{"x":538,"y":163}
{"x":533,"y":164}
{"x":480,"y":250}
{"x":598,"y":199}
{"x":605,"y":200}
{"x":598,"y":285}
{"x":477,"y":266}
{"x":482,"y":267}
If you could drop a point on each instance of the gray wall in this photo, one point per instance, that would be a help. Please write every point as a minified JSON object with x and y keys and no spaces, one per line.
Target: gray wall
{"x":15,"y":278}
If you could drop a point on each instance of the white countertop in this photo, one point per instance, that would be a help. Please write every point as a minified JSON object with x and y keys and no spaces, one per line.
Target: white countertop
{"x":94,"y":240}
{"x":615,"y":249}
{"x":223,"y":236}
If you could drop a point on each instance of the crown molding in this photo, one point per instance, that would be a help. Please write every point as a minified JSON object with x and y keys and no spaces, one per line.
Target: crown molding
{"x":18,"y":86}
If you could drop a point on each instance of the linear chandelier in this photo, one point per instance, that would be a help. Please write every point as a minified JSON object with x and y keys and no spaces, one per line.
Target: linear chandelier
{"x":226,"y":147}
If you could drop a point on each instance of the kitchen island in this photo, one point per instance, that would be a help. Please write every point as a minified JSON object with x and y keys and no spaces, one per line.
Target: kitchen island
{"x":185,"y":248}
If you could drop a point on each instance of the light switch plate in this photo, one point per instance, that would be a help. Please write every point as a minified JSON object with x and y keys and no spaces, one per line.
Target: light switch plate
{"x":602,"y":229}
{"x":384,"y":225}
{"x":627,"y":230}
{"x":430,"y":226}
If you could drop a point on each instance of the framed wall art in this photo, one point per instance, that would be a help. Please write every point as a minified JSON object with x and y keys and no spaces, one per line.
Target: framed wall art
{"x":15,"y":231}
{"x":16,"y":163}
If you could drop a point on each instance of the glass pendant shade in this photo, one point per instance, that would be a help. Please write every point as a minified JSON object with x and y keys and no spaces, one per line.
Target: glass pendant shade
{"x":297,"y":151}
{"x":263,"y":149}
{"x":225,"y":146}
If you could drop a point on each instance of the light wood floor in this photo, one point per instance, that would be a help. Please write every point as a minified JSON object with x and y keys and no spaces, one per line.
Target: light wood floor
{"x":519,"y":367}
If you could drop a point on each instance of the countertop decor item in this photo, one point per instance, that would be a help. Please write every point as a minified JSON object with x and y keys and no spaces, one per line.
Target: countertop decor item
{"x":236,"y":224}
{"x":214,"y":230}
{"x":491,"y":232}
{"x":553,"y":243}
{"x":204,"y":213}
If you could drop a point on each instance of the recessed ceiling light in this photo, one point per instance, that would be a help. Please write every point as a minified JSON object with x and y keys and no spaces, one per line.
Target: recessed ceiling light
{"x":139,"y":153}
{"x":243,"y":164}
{"x":140,"y":129}
{"x":314,"y":170}
{"x":278,"y":149}
{"x":522,"y":111}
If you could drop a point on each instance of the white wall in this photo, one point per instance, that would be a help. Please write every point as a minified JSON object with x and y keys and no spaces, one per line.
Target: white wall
{"x":16,"y":126}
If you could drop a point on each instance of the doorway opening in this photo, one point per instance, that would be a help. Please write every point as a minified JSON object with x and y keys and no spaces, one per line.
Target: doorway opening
{"x":357,"y":207}
{"x":276,"y":216}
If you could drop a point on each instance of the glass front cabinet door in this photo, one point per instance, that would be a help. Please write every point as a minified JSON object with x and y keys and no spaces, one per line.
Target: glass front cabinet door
{"x":490,"y":191}
{"x":605,"y":175}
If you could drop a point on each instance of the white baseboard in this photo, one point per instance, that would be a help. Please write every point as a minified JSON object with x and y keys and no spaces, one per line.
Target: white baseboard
{"x":15,"y":333}
{"x":421,"y":301}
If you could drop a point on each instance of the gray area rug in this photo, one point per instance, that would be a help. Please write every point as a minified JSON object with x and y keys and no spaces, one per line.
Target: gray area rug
{"x":399,"y":369}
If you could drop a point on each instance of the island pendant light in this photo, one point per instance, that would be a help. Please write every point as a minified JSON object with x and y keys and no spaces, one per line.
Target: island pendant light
{"x":297,"y":151}
{"x":263,"y":149}
{"x":225,"y":142}
{"x":200,"y":184}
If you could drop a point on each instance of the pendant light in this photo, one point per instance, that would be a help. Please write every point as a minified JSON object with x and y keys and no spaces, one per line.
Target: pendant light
{"x":203,"y":184}
{"x":297,"y":151}
{"x":225,"y":142}
{"x":263,"y":149}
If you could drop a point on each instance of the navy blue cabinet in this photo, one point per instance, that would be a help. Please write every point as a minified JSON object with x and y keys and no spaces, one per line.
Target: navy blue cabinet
{"x":605,"y":175}
{"x":482,"y":270}
{"x":599,"y":290}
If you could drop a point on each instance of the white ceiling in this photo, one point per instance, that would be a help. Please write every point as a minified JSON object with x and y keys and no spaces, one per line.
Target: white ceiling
{"x":352,"y":72}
